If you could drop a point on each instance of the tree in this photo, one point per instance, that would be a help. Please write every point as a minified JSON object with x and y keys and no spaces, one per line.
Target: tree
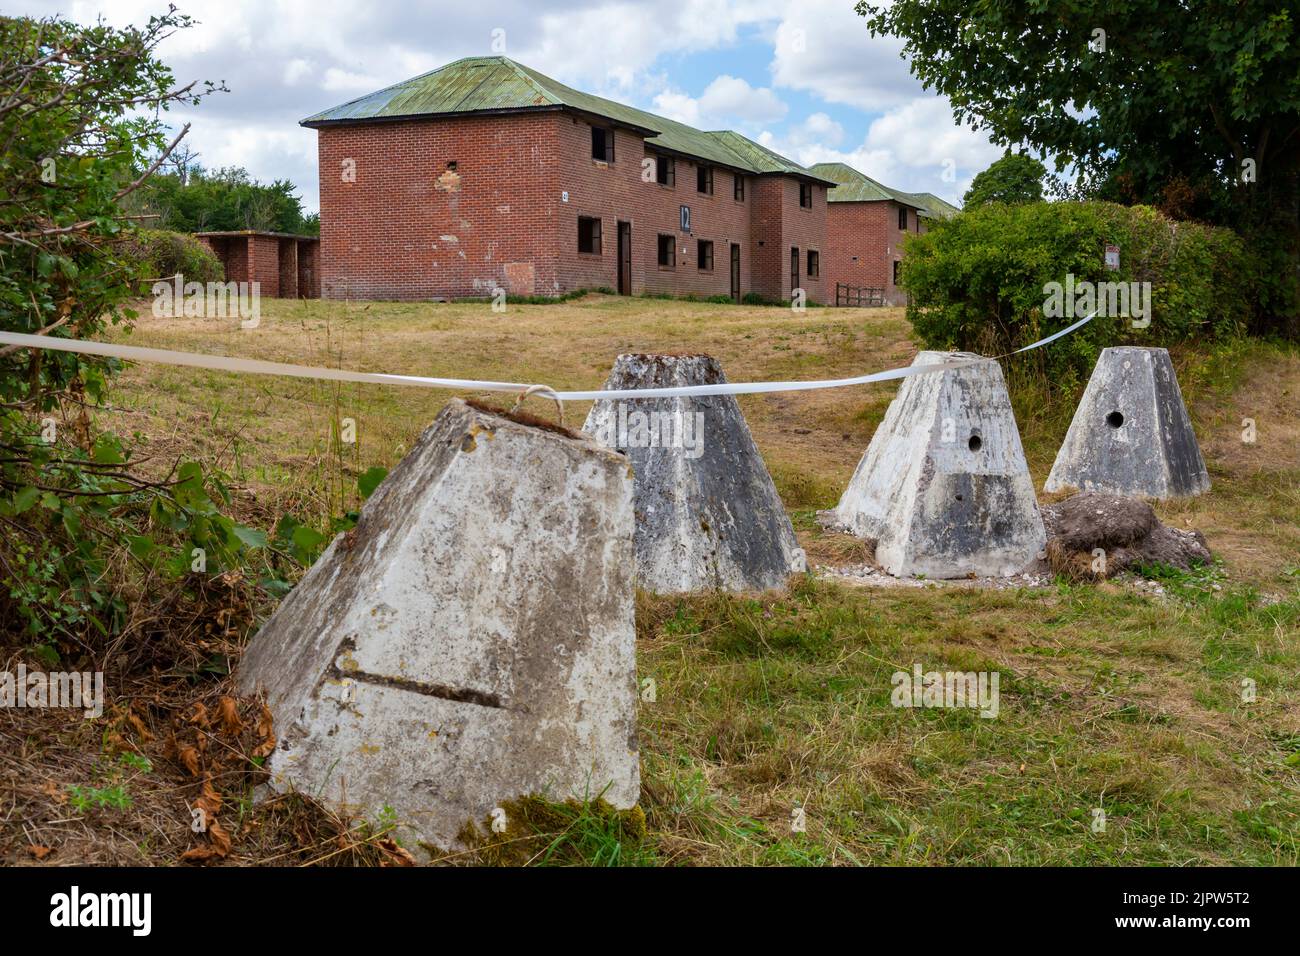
{"x":80,"y":117}
{"x":1015,"y":178}
{"x":1153,"y":101}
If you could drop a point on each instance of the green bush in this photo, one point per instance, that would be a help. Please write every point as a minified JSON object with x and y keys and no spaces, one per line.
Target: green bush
{"x":154,"y":254}
{"x":980,"y":281}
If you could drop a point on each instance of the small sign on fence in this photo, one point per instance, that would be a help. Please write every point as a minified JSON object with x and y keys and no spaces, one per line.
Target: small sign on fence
{"x":1112,"y":257}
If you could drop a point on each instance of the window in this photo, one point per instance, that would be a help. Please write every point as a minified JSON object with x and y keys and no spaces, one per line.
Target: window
{"x":895,"y":272}
{"x":589,"y":235}
{"x":704,"y":179}
{"x":668,"y":252}
{"x":705,"y":255}
{"x":602,"y":144}
{"x":738,"y":190}
{"x":814,"y":264}
{"x":805,"y":195}
{"x":665,"y":171}
{"x":902,"y":218}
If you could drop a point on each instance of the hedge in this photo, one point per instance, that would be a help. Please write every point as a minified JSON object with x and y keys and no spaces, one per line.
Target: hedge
{"x":980,"y":281}
{"x":154,"y":254}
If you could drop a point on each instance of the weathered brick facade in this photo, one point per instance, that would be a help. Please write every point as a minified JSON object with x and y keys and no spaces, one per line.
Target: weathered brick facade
{"x":864,"y":241}
{"x":450,"y":207}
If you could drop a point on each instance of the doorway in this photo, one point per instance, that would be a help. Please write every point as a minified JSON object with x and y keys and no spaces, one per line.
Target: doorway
{"x":794,"y":270}
{"x":735,"y":271}
{"x":624,"y":258}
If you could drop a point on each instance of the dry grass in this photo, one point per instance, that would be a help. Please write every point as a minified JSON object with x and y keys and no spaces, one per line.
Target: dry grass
{"x":1109,"y":698}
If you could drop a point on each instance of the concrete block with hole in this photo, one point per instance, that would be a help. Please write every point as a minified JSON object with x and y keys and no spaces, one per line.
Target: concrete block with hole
{"x":1131,"y":434}
{"x":943,"y":489}
{"x":707,"y":514}
{"x":471,"y":641}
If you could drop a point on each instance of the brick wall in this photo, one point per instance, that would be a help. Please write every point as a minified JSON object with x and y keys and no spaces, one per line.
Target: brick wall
{"x":615,"y":192}
{"x":411,"y":228}
{"x":865,"y":241}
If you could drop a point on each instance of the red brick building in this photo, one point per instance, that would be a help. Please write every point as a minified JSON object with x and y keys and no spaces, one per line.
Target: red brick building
{"x":283,"y":263}
{"x":485,"y":174}
{"x":866,"y":223}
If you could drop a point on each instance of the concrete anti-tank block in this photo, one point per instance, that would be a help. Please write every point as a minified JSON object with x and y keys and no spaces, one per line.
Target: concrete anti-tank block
{"x":707,"y":514}
{"x":471,"y":641}
{"x":943,"y":488}
{"x":1131,"y":434}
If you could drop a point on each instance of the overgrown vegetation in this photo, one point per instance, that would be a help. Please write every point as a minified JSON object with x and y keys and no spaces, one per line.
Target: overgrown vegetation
{"x":193,"y":199}
{"x":983,"y":280}
{"x":1193,"y":108}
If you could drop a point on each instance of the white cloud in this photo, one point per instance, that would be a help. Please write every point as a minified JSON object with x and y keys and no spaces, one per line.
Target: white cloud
{"x":915,"y":147}
{"x":824,"y":48}
{"x":728,"y":101}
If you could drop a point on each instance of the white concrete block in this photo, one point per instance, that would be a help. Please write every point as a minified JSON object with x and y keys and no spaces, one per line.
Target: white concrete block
{"x":943,"y":488}
{"x":1131,"y":434}
{"x":707,"y":514}
{"x":471,"y":641}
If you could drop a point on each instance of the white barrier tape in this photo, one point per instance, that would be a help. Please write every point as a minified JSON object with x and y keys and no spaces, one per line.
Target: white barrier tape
{"x":221,"y":363}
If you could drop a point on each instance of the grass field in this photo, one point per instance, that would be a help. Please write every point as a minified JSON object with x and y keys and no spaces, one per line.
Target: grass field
{"x":1110,"y":698}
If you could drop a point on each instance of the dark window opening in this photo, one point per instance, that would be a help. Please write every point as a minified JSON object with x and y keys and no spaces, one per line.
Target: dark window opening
{"x":738,"y":189}
{"x":805,"y":195}
{"x":902,"y":218}
{"x":665,"y":171}
{"x":668,"y":251}
{"x":896,"y":272}
{"x":704,"y":179}
{"x":602,"y":144}
{"x":814,"y":264}
{"x":589,"y":235}
{"x":704,"y":255}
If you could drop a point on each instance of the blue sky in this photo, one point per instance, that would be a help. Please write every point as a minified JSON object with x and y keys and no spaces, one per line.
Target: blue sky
{"x":801,"y":76}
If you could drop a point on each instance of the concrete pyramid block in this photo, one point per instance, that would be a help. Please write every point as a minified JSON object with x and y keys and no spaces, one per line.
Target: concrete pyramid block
{"x":1131,"y":434}
{"x":943,"y":488}
{"x":707,"y":514}
{"x":471,"y":641}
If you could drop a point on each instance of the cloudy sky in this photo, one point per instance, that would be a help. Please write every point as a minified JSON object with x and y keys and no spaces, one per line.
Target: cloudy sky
{"x":804,"y":77}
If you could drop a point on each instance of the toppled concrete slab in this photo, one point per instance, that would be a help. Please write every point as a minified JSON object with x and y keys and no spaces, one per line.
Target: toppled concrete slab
{"x":471,"y":641}
{"x":707,"y":514}
{"x":1092,"y":536}
{"x":943,"y":488}
{"x":1131,"y":434}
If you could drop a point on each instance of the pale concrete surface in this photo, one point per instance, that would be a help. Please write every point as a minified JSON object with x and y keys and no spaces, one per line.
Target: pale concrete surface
{"x":470,"y":641}
{"x":1131,"y":434}
{"x":943,"y":489}
{"x":707,"y":514}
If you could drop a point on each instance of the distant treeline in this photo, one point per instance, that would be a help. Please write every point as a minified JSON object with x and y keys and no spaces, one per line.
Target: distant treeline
{"x":194,"y":199}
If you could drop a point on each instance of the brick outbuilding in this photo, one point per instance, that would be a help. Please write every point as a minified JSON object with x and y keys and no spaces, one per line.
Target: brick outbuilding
{"x":486,"y":174}
{"x":285,"y":264}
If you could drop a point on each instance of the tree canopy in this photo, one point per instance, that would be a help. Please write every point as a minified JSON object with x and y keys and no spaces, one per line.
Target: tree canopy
{"x":1191,"y":106}
{"x":194,"y":199}
{"x":1015,"y":178}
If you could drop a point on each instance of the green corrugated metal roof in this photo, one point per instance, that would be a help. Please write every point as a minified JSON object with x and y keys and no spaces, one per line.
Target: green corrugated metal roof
{"x":935,"y":207}
{"x":478,"y":84}
{"x":853,"y":186}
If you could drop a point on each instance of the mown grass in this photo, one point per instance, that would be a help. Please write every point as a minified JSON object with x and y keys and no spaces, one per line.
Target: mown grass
{"x":1110,"y":699}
